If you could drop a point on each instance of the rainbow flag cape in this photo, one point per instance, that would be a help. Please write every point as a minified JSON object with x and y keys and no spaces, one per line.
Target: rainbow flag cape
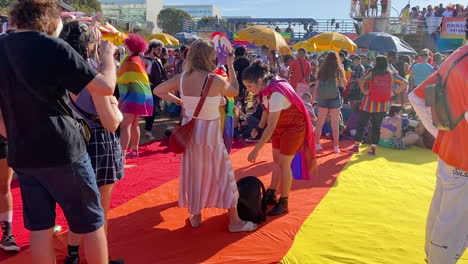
{"x":133,"y":83}
{"x":227,"y":116}
{"x":304,"y":164}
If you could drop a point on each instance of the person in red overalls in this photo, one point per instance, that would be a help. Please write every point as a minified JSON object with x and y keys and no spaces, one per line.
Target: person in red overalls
{"x":447,"y":222}
{"x":287,"y":122}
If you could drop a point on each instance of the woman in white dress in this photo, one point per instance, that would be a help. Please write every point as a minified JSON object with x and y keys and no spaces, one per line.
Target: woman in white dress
{"x":207,"y":178}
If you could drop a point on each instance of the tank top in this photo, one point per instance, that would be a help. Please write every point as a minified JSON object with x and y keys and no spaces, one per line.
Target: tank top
{"x":210,"y":109}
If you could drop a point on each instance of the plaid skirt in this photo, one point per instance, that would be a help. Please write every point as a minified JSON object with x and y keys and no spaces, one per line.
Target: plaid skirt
{"x":106,"y":156}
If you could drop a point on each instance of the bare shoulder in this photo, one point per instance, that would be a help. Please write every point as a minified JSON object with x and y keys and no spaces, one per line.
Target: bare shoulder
{"x":219,"y":81}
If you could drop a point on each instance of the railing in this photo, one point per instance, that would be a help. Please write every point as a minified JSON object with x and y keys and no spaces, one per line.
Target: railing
{"x":335,"y":25}
{"x":399,"y":26}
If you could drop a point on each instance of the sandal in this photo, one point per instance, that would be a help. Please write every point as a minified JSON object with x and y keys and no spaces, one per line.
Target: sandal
{"x":247,"y":227}
{"x":195,"y":220}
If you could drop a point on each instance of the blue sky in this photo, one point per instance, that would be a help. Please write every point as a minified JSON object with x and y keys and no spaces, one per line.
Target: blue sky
{"x":296,"y":8}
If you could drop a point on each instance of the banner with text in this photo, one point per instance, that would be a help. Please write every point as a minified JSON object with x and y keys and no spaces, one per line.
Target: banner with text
{"x":453,"y":27}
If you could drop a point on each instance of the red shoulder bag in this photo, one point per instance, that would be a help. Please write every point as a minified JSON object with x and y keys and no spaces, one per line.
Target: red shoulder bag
{"x":182,"y":135}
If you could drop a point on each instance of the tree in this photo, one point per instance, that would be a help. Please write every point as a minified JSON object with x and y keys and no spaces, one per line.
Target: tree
{"x":145,"y":33}
{"x":5,"y":6}
{"x":86,"y":6}
{"x":171,"y":20}
{"x":212,"y":23}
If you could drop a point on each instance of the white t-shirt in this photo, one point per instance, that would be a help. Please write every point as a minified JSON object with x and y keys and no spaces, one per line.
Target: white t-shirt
{"x":447,"y":13}
{"x":276,"y":103}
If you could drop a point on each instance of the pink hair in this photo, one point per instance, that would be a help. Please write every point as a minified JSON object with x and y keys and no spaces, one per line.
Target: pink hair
{"x":136,"y":43}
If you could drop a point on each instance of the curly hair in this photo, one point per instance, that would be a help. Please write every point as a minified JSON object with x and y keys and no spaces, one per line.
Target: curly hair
{"x":330,"y":67}
{"x":37,"y":15}
{"x":136,"y":44}
{"x":78,"y":36}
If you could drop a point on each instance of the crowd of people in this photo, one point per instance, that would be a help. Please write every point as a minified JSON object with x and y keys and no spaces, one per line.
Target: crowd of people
{"x":88,"y":97}
{"x":369,"y":8}
{"x":449,"y":10}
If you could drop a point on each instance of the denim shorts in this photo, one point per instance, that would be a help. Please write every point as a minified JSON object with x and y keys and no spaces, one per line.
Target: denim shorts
{"x":330,"y":103}
{"x":72,"y":186}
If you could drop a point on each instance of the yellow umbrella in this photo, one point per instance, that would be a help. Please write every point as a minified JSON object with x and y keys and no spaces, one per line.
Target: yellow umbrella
{"x":261,"y":35}
{"x":165,"y":38}
{"x":333,"y":41}
{"x":116,"y":38}
{"x":309,"y":47}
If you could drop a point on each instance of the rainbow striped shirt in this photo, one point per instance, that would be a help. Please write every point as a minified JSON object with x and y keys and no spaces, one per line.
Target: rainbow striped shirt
{"x":370,"y":106}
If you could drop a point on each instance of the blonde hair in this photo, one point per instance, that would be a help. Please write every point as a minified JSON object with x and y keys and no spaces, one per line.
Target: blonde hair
{"x":201,"y":56}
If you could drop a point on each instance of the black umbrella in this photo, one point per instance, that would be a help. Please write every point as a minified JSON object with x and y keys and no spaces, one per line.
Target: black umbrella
{"x":383,"y":42}
{"x":185,"y":37}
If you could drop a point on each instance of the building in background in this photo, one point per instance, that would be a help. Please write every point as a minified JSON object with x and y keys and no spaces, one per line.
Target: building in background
{"x":141,"y":13}
{"x":198,"y":11}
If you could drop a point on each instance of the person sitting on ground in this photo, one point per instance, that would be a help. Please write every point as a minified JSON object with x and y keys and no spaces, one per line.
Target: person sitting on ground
{"x":250,"y":122}
{"x":353,"y":121}
{"x":103,"y":116}
{"x":391,"y":135}
{"x":205,"y":153}
{"x":307,"y":99}
{"x":426,"y":139}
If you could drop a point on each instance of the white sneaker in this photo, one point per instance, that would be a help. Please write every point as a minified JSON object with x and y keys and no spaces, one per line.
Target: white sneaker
{"x":149,"y":135}
{"x":318,"y":147}
{"x":337,"y":150}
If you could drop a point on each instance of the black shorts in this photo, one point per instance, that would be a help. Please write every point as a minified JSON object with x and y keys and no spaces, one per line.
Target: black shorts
{"x":72,"y":186}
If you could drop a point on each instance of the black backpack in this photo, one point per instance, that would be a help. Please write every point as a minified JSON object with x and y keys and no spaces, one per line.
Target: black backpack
{"x":252,"y":203}
{"x":436,"y":99}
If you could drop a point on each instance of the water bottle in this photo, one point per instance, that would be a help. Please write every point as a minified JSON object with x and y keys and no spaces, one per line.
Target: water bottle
{"x":405,"y":121}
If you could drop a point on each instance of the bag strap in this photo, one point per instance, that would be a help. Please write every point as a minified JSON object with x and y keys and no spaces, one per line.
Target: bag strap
{"x":203,"y":96}
{"x":453,"y":66}
{"x":444,"y":94}
{"x":85,"y":114}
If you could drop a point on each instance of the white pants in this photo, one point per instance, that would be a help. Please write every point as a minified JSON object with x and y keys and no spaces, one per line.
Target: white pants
{"x":447,"y":223}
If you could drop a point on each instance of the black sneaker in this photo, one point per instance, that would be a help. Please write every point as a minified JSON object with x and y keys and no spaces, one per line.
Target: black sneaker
{"x":117,"y":261}
{"x":72,"y":260}
{"x":8,"y":244}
